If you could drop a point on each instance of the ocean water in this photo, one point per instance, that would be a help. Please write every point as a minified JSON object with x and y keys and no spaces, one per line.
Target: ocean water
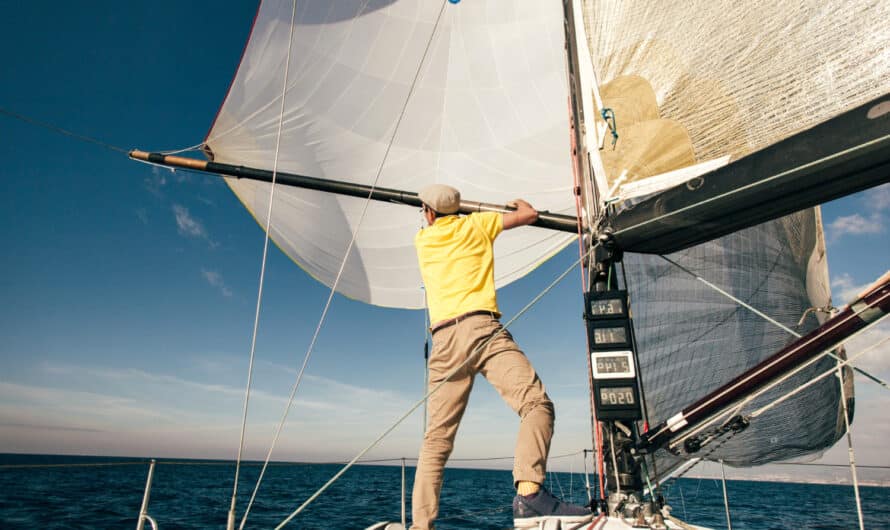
{"x":192,"y":494}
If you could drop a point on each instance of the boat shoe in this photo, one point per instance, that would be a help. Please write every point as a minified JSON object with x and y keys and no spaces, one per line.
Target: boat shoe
{"x":530,"y":511}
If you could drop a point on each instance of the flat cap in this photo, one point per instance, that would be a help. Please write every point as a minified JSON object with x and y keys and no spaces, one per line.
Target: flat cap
{"x":441,"y":198}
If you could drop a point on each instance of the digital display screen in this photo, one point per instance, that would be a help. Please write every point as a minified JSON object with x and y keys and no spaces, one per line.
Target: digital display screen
{"x":606,"y":306}
{"x":617,"y":395}
{"x":613,"y":364}
{"x":616,"y":335}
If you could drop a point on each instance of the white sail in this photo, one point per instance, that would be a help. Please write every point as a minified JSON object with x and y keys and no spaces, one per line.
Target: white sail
{"x":487,"y":113}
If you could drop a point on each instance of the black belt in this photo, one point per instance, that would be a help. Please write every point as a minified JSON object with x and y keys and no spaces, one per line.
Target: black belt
{"x":452,"y":321}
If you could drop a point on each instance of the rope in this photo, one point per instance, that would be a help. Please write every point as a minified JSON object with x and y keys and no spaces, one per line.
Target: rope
{"x":349,"y":248}
{"x":840,"y":376}
{"x":609,"y":117}
{"x":432,"y":391}
{"x":259,"y":299}
{"x":725,"y":496}
{"x":196,"y":147}
{"x":426,"y":360}
{"x":65,"y":132}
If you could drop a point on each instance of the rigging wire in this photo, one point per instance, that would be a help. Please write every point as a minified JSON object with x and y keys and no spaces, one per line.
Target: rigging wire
{"x":259,"y":299}
{"x":89,"y":139}
{"x":765,"y":316}
{"x":725,"y":495}
{"x":792,"y":392}
{"x":349,"y":248}
{"x":823,"y":375}
{"x":60,"y":130}
{"x":432,"y":391}
{"x":840,"y":376}
{"x":780,"y":400}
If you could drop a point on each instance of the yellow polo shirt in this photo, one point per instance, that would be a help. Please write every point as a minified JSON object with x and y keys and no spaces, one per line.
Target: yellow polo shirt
{"x":457,"y":264}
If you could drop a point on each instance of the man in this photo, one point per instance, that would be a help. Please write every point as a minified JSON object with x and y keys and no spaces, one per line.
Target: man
{"x":457,"y":264}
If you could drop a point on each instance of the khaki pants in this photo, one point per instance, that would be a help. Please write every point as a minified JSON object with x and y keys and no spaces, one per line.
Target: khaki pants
{"x":509,"y":371}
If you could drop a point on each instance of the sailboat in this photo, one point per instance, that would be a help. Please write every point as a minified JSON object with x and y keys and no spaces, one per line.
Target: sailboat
{"x":685,"y":148}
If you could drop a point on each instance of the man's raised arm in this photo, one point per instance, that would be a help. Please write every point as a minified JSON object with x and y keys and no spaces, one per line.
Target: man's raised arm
{"x":524,"y":214}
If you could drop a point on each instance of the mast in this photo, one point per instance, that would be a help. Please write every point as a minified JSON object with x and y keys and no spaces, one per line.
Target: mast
{"x":613,"y":379}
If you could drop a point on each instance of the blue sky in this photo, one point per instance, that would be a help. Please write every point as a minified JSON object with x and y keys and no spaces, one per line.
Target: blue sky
{"x":129,"y":290}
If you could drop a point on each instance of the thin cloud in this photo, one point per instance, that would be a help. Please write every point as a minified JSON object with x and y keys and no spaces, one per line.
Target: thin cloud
{"x":50,"y":427}
{"x":879,"y":198}
{"x":874,"y":204}
{"x":156,"y":182}
{"x":215,"y":279}
{"x":188,"y":225}
{"x":877,"y":341}
{"x":856,"y":225}
{"x":844,"y":289}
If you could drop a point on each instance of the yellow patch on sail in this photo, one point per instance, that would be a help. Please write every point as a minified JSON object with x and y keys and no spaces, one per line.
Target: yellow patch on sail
{"x":647,"y":145}
{"x":631,"y":98}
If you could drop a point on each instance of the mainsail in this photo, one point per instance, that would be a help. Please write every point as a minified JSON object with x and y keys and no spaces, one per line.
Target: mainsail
{"x":704,"y":84}
{"x":399,"y":95}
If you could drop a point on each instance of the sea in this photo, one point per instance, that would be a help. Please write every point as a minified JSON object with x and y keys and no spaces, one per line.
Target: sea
{"x":69,"y":492}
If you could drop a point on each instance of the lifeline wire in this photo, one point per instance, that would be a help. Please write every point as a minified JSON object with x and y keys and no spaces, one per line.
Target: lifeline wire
{"x":435,"y":389}
{"x":259,"y":298}
{"x":346,"y":254}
